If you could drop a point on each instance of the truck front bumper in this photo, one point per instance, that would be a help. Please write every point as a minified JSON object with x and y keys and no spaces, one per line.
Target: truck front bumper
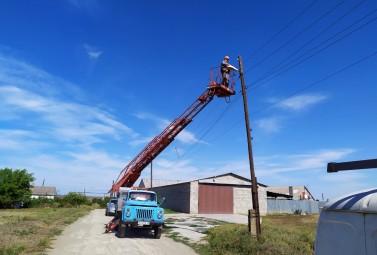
{"x":141,"y":223}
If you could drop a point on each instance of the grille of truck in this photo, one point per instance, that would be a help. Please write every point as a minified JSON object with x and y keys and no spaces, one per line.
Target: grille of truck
{"x":144,"y":213}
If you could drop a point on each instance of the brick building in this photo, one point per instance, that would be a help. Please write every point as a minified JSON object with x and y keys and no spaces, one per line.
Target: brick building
{"x":223,"y":194}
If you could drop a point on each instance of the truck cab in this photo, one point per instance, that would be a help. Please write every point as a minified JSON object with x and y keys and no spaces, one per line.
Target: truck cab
{"x":348,"y":225}
{"x":141,"y":210}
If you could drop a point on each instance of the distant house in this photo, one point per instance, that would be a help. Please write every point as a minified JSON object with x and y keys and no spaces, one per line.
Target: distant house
{"x":43,"y":191}
{"x":289,"y":192}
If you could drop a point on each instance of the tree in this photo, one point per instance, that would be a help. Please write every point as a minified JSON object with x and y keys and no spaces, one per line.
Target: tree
{"x":15,"y":187}
{"x":75,"y":199}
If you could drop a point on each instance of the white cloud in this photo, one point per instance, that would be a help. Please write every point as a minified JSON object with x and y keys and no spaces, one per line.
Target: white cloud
{"x":16,"y":73}
{"x":298,"y":103}
{"x":174,"y":170}
{"x":46,"y":130}
{"x":185,"y":136}
{"x":141,"y":141}
{"x":65,"y":121}
{"x":301,"y":162}
{"x":270,"y":125}
{"x":92,"y":51}
{"x":73,"y":172}
{"x":301,"y":102}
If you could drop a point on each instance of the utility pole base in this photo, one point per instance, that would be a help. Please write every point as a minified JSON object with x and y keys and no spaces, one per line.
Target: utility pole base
{"x":252,"y":223}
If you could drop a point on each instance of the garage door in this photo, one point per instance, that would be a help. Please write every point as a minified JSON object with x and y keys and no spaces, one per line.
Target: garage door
{"x":215,"y":199}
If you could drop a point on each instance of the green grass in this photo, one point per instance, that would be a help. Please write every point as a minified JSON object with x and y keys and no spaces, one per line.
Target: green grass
{"x":168,"y":211}
{"x":285,"y":234}
{"x":281,"y":234}
{"x":31,"y":231}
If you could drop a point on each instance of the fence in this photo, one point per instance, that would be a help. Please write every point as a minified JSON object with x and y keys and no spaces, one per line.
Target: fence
{"x":292,"y":206}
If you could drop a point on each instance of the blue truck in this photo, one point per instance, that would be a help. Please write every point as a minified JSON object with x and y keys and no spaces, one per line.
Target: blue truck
{"x":141,"y":210}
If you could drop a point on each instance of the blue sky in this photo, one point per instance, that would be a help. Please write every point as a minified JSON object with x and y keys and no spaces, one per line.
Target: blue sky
{"x":85,"y":85}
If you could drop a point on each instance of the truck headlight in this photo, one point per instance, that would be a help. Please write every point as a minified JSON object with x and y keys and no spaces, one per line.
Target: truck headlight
{"x":159,"y":215}
{"x":128,"y":214}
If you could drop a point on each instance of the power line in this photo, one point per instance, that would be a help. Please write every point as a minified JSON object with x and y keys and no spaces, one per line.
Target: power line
{"x":314,"y":38}
{"x":317,"y":82}
{"x":284,"y":28}
{"x":329,"y":45}
{"x":305,"y":88}
{"x":298,"y":92}
{"x":295,"y":37}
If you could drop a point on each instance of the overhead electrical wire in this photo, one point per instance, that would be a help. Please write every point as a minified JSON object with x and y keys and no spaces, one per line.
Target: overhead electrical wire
{"x":305,"y":88}
{"x":296,"y":36}
{"x":284,"y":28}
{"x":216,"y":121}
{"x":300,"y":91}
{"x":265,"y":80}
{"x":315,"y":37}
{"x":274,"y":103}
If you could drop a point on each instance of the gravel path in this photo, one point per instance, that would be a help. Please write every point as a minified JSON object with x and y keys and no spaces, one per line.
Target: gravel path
{"x":86,"y":236}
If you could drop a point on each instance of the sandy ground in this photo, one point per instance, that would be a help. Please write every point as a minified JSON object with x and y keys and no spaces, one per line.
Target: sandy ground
{"x":194,"y":226}
{"x":86,"y":236}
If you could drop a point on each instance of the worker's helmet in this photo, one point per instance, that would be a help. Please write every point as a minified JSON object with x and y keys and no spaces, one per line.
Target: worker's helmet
{"x":226,"y":57}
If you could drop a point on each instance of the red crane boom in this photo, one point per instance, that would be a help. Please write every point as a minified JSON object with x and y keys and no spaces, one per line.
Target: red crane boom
{"x":130,"y":173}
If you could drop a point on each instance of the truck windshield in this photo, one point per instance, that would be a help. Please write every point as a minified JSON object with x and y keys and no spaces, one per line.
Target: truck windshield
{"x":142,"y":196}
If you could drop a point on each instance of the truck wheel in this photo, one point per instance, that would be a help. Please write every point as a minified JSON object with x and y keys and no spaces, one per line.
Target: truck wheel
{"x":121,"y":230}
{"x":157,"y":232}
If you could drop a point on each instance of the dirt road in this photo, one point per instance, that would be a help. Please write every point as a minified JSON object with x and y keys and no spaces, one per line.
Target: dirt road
{"x":86,"y":236}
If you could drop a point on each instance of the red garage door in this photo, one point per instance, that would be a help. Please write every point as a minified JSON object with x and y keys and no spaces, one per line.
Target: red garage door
{"x":215,"y":199}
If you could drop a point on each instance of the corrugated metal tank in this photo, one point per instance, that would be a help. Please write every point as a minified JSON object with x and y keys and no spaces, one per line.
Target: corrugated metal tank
{"x":348,"y":225}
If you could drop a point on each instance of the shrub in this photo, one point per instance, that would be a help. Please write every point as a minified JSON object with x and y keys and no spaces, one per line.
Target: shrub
{"x":44,"y":202}
{"x":74,"y":199}
{"x":101,"y":201}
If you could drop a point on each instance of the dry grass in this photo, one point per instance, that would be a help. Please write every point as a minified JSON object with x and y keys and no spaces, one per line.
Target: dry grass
{"x":281,"y":234}
{"x":30,"y":231}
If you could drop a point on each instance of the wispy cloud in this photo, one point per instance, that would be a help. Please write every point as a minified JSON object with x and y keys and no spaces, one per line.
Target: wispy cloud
{"x":55,"y":134}
{"x":186,"y":137}
{"x":270,"y":125}
{"x":301,"y":102}
{"x":274,"y":124}
{"x":301,"y":162}
{"x":17,"y":73}
{"x":308,"y":169}
{"x":74,"y":172}
{"x":180,"y":170}
{"x":65,"y":121}
{"x":92,"y":51}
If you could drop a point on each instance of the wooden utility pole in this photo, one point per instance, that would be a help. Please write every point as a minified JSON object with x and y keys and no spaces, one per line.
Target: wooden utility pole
{"x":151,"y":174}
{"x":255,"y":226}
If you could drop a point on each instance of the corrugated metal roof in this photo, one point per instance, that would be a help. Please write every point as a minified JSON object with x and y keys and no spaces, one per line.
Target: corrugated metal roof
{"x":43,"y":190}
{"x":361,"y":201}
{"x":146,"y":182}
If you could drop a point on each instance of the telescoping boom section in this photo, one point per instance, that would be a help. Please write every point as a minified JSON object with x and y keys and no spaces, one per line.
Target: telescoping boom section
{"x":130,"y":173}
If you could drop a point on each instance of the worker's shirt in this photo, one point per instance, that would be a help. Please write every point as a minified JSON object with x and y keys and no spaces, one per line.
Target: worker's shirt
{"x":224,"y":67}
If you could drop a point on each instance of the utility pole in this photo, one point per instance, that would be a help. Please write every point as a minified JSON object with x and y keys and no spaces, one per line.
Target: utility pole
{"x":254,"y":188}
{"x":151,"y":175}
